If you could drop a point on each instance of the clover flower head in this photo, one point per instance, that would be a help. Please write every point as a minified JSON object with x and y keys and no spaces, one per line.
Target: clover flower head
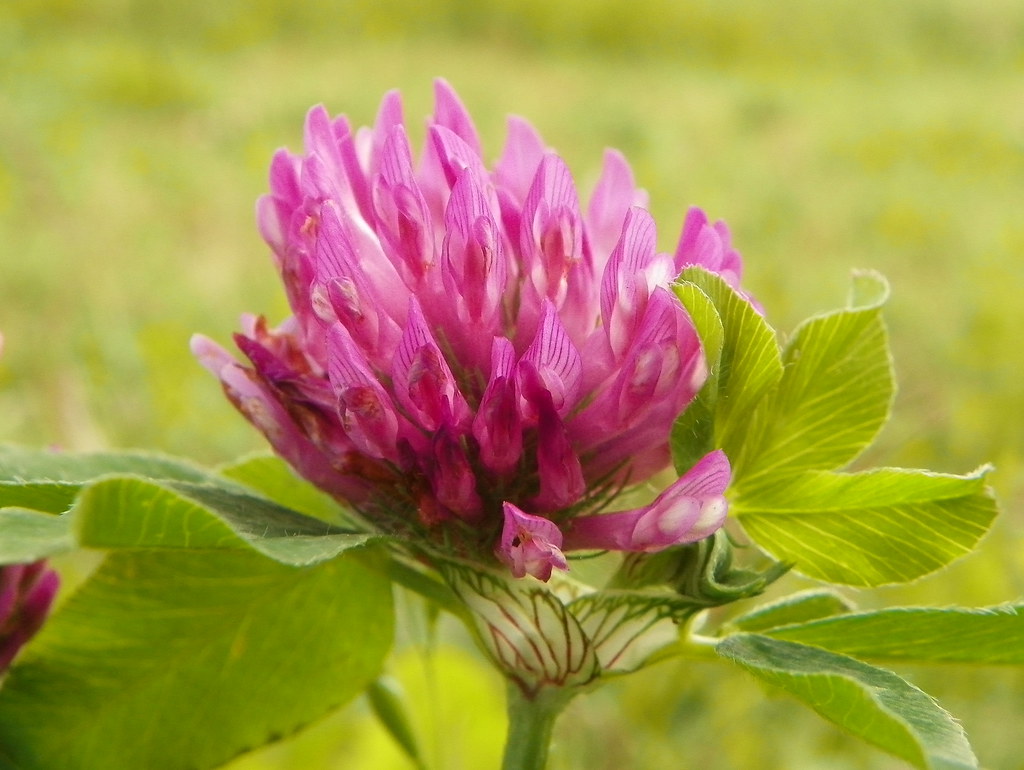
{"x":475,"y":357}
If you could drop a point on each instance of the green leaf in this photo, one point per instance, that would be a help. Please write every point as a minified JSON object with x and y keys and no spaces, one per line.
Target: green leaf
{"x":127,"y":512}
{"x":869,"y":702}
{"x":46,"y":480}
{"x":920,"y":634}
{"x":26,"y":536}
{"x":833,"y":398}
{"x":883,"y":526}
{"x":693,"y":432}
{"x":271,"y":477}
{"x":741,"y":375}
{"x":795,"y":608}
{"x":179,"y":660}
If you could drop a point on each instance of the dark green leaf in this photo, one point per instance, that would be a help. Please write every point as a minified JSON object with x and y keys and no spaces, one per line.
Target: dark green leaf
{"x":26,"y":536}
{"x":271,"y":477}
{"x":869,"y":702}
{"x":919,"y":634}
{"x":47,"y":480}
{"x":137,"y":513}
{"x":795,"y":608}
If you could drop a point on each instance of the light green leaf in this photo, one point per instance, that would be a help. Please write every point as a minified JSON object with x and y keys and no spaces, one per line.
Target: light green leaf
{"x":693,"y":432}
{"x":869,"y":702}
{"x":271,"y":477}
{"x":833,"y":398}
{"x":795,"y":608}
{"x":126,"y":512}
{"x":179,"y":660}
{"x":869,"y":290}
{"x":26,"y":536}
{"x":47,"y":480}
{"x":748,"y":366}
{"x":919,"y":634}
{"x":884,"y":526}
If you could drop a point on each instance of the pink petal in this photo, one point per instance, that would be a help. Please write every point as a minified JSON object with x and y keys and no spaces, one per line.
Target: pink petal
{"x":551,"y":233}
{"x":389,"y":116}
{"x":523,"y":153}
{"x":497,"y":426}
{"x":27,"y":592}
{"x":553,"y":362}
{"x":452,"y":478}
{"x":624,"y":290}
{"x":254,"y":399}
{"x":367,"y":412}
{"x":404,"y":220}
{"x":450,"y":113}
{"x":632,"y":414}
{"x":474,"y":263}
{"x":709,"y":246}
{"x":452,"y":155}
{"x":558,"y":464}
{"x":365,"y":293}
{"x":423,"y":381}
{"x":614,"y":194}
{"x":689,"y":510}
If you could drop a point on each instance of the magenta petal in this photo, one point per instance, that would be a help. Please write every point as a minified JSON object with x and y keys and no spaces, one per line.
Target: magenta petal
{"x":389,"y":116}
{"x":212,"y":356}
{"x":551,"y":230}
{"x":530,"y":545}
{"x":452,"y":154}
{"x":404,"y":220}
{"x":555,"y":360}
{"x":523,"y":153}
{"x":453,"y":480}
{"x":558,"y":464}
{"x":319,"y":138}
{"x":474,"y":266}
{"x":27,"y":592}
{"x":689,"y":510}
{"x":709,"y":246}
{"x":10,"y":588}
{"x":450,"y":113}
{"x":367,"y":412}
{"x":423,"y":381}
{"x":624,"y":289}
{"x":497,"y":426}
{"x":615,"y":193}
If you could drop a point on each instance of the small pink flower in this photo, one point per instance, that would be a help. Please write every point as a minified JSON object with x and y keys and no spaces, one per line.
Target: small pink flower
{"x":26,"y":594}
{"x":530,"y":545}
{"x":476,"y":358}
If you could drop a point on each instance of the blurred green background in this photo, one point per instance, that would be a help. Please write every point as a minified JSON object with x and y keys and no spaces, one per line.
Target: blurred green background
{"x":135,"y":137}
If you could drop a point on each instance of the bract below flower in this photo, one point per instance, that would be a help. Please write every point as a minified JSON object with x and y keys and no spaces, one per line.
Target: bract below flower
{"x":476,"y":359}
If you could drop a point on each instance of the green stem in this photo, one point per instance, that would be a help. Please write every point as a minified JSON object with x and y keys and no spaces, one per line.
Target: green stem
{"x":530,"y":722}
